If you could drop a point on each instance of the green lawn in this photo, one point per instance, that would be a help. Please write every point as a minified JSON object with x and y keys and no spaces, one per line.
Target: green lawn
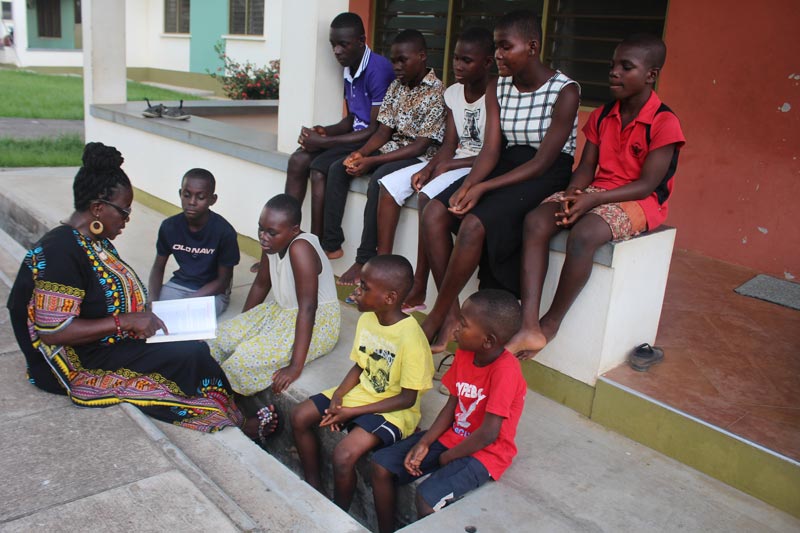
{"x":64,"y":151}
{"x":32,"y":95}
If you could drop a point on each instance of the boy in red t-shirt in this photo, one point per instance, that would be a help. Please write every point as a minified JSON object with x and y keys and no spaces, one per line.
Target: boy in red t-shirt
{"x":619,"y":189}
{"x":472,"y":438}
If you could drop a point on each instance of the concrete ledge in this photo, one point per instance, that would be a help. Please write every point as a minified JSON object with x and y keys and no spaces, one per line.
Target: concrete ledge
{"x":245,"y":144}
{"x":618,"y":308}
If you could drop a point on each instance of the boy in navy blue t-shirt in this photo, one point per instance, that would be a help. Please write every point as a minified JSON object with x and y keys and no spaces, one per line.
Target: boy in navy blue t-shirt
{"x":203,"y":243}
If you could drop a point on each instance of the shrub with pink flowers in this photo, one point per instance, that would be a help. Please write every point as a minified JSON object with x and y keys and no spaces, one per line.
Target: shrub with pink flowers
{"x":246,"y":81}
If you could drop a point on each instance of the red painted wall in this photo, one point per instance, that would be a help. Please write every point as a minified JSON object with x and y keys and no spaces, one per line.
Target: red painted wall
{"x":364,"y":9}
{"x":733,"y":77}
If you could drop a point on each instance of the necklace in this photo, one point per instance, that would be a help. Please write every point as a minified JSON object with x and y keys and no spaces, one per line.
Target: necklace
{"x":101,"y":253}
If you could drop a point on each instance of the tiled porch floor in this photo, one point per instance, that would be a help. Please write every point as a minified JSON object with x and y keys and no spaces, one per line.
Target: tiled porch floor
{"x":730,"y":360}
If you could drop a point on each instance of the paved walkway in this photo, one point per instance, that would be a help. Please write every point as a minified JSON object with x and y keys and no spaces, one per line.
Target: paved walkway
{"x":34,"y":128}
{"x":72,"y":469}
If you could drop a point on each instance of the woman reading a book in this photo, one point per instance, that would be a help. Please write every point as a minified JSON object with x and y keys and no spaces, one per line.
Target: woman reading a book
{"x":80,"y":316}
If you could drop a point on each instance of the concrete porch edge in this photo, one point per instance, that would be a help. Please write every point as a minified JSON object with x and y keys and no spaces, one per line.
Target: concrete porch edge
{"x":742,"y":464}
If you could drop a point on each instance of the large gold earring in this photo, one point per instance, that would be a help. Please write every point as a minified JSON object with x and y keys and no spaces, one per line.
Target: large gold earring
{"x":96,"y":227}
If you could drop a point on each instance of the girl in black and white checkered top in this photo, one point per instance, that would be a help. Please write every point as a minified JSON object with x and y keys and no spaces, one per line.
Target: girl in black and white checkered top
{"x":531,"y":127}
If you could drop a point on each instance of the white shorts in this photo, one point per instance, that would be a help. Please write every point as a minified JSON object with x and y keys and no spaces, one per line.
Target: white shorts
{"x":398,"y":183}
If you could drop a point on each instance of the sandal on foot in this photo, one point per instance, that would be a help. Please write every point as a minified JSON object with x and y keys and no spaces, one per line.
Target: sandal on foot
{"x":443,"y":366}
{"x":153,"y":111}
{"x":644,"y":356}
{"x":175,"y":113}
{"x":350,"y":300}
{"x":408,"y":309}
{"x":265,"y":417}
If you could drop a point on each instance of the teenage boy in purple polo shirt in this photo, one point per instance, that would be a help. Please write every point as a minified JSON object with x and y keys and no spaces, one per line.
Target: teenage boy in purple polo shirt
{"x":367,"y":75}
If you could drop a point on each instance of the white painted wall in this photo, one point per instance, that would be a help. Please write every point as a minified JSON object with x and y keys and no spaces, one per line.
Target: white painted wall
{"x":104,"y":76}
{"x":261,"y":49}
{"x":308,"y":69}
{"x":148,"y":45}
{"x":155,"y":164}
{"x":138,"y":21}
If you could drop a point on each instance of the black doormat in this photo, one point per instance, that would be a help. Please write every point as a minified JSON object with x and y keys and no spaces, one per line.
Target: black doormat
{"x":777,"y":291}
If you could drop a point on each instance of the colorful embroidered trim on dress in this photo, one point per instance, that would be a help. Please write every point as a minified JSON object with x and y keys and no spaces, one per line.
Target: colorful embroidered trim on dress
{"x":210,"y":410}
{"x":55,"y":305}
{"x":124,"y":291}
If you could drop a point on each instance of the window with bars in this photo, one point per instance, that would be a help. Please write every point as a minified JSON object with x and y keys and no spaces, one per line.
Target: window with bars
{"x":176,"y":16}
{"x":247,"y":17}
{"x":579,"y":36}
{"x":430,"y":17}
{"x":7,"y":11}
{"x":48,"y":18}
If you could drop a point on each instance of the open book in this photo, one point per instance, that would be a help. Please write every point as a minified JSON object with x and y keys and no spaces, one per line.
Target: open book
{"x":187,"y":319}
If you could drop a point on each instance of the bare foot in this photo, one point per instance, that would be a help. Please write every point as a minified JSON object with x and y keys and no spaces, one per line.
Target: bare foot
{"x":527,"y":343}
{"x":250,"y":428}
{"x":336,"y":254}
{"x":352,"y":276}
{"x":445,"y":335}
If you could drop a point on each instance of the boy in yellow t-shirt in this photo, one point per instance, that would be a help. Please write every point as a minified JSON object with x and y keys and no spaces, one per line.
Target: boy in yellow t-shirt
{"x":378,"y":400}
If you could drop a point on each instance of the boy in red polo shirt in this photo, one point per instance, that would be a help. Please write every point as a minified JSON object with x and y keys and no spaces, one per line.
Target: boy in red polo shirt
{"x":619,"y":189}
{"x":472,"y":438}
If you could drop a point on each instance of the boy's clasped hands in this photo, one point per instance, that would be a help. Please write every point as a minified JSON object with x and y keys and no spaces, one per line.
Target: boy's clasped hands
{"x":417,"y":454}
{"x":312,"y":139}
{"x":465,"y":198}
{"x":574,"y":204}
{"x":336,"y":415}
{"x":356,"y":164}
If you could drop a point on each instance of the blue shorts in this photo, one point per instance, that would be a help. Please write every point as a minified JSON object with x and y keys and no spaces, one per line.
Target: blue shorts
{"x":371,"y":423}
{"x":446,"y":484}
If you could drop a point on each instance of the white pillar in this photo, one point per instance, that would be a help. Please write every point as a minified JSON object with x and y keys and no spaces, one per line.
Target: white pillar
{"x":19,"y":15}
{"x":311,"y":79}
{"x":104,"y":69}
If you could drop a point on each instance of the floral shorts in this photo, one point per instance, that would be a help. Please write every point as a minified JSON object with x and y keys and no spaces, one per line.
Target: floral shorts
{"x":626,"y":219}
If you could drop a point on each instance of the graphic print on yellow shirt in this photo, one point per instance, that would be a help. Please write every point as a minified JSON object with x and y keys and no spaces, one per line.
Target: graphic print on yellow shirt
{"x":392,"y":358}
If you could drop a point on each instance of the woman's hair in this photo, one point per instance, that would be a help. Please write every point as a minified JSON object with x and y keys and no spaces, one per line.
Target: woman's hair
{"x":99,"y":175}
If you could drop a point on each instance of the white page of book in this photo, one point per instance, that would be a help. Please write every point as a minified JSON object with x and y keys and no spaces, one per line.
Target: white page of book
{"x":186,"y":319}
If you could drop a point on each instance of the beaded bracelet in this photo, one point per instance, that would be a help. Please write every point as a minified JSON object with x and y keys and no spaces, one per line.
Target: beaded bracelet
{"x":116,"y":323}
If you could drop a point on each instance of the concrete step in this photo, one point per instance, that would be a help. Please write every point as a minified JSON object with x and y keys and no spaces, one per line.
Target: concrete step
{"x":571,"y":474}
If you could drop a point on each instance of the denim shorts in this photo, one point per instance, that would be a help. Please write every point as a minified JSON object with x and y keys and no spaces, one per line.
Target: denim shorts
{"x":376,"y":424}
{"x":446,"y":484}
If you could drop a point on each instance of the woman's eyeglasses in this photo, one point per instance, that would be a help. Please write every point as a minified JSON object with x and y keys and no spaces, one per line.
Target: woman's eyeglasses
{"x":126,"y":213}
